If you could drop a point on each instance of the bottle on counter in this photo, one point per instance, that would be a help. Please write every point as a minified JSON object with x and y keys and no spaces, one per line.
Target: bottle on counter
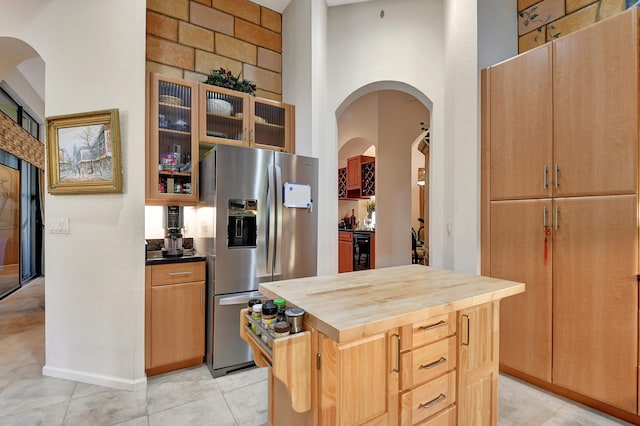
{"x":281,"y":329}
{"x":354,"y":221}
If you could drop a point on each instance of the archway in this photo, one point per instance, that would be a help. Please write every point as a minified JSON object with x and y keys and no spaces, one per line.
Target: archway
{"x":388,"y":115}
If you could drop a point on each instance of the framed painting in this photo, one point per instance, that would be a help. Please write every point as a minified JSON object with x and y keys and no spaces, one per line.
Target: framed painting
{"x":83,"y":153}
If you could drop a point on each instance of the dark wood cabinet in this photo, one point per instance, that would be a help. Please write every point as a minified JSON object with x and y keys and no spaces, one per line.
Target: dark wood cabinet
{"x":358,"y":179}
{"x":345,"y":251}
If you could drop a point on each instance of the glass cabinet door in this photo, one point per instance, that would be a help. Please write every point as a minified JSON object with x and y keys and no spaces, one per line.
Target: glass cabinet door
{"x":271,"y":125}
{"x":223,"y":116}
{"x":173,"y":157}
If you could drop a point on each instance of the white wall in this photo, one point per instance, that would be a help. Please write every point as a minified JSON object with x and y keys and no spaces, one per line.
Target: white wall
{"x":402,"y":51}
{"x":95,"y":59}
{"x":497,"y":31}
{"x":304,"y":84}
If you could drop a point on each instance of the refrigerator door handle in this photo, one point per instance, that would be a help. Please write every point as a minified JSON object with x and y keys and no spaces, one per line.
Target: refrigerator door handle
{"x":271,"y":219}
{"x":277,"y":270}
{"x":242,"y":299}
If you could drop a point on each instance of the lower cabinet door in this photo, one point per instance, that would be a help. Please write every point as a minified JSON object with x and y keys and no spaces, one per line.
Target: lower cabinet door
{"x":177,"y":323}
{"x":478,"y":365}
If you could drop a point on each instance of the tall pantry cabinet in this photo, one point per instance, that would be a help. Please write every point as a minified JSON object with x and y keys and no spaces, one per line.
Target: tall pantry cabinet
{"x":560,"y":211}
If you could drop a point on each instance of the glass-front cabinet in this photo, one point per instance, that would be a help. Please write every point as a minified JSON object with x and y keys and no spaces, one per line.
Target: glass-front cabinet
{"x":224,"y":116}
{"x":271,"y":126}
{"x":236,"y":118}
{"x":172,"y":149}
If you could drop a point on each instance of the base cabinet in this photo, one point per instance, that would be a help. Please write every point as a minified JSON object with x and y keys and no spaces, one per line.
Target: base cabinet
{"x":438,"y":371}
{"x":345,"y":251}
{"x":175,"y":316}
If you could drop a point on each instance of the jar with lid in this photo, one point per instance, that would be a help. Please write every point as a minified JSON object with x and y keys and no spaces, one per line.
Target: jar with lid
{"x":295,"y":318}
{"x":269,"y":316}
{"x":256,"y":315}
{"x":281,"y":329}
{"x":281,"y":304}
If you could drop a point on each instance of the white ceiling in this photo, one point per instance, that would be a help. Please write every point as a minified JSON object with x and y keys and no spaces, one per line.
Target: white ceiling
{"x":280,"y":5}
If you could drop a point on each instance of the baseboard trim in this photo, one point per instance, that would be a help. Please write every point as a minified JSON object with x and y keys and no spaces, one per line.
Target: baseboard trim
{"x":96,"y":379}
{"x":582,"y":399}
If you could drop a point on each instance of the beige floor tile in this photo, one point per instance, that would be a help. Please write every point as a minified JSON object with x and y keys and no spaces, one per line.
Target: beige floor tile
{"x":241,"y":379}
{"x":29,"y":394}
{"x":248,"y":404}
{"x":204,"y":412}
{"x":49,"y":415}
{"x":106,"y":408}
{"x":575,"y":415}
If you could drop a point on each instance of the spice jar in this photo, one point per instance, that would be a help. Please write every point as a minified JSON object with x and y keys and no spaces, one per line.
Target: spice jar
{"x":256,"y":315}
{"x":281,"y":329}
{"x":281,"y":304}
{"x":269,"y":316}
{"x":253,"y":302}
{"x":295,"y":318}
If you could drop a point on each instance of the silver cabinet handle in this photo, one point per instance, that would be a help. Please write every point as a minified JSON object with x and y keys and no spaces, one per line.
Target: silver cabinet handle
{"x":433,"y":364}
{"x":467,"y":320}
{"x":173,"y":274}
{"x":433,"y":402}
{"x":544,"y":217}
{"x":397,"y":369}
{"x":432,"y":326}
{"x":555,"y":225}
{"x":544,"y":177}
{"x":556,"y":176}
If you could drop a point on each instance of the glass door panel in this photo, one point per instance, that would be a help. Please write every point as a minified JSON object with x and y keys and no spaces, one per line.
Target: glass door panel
{"x":223,"y":115}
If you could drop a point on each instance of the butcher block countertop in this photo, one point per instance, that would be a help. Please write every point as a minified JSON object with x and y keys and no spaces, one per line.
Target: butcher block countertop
{"x":350,"y":306}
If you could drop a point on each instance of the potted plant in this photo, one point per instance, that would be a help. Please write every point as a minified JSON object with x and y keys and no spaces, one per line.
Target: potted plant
{"x":225,"y":78}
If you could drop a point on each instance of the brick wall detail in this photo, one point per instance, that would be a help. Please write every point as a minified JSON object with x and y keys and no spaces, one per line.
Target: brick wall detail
{"x":543,"y":21}
{"x":187,"y":39}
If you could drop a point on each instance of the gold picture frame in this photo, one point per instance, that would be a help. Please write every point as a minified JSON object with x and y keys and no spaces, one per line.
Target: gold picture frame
{"x":83,"y":153}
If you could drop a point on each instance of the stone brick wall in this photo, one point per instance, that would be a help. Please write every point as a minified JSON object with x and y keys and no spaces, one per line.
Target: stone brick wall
{"x":543,"y":21}
{"x":187,"y":39}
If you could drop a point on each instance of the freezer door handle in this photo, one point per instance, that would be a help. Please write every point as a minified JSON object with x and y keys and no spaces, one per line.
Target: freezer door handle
{"x":271,"y":219}
{"x":242,"y":299}
{"x":277,"y":270}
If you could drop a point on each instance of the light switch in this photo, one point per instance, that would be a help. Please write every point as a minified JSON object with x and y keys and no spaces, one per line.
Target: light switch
{"x":59,"y":226}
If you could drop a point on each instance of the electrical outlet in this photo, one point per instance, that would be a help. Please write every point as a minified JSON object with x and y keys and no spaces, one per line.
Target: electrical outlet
{"x":59,"y":226}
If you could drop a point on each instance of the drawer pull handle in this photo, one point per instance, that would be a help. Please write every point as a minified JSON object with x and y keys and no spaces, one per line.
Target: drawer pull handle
{"x":398,"y":365}
{"x":429,"y":366}
{"x":431,"y":403}
{"x":173,"y":274}
{"x":432,"y":326}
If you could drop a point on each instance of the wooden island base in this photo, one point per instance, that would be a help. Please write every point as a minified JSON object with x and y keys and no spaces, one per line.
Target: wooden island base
{"x":404,"y":345}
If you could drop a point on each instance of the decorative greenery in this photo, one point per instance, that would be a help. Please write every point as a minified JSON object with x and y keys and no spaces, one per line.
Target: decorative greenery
{"x":225,"y":78}
{"x":371,"y":206}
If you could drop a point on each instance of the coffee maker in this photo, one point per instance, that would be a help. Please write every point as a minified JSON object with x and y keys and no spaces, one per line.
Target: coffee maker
{"x":173,"y":222}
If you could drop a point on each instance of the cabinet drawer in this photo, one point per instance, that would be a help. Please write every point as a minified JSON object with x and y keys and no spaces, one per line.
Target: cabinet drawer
{"x":173,"y":273}
{"x":345,"y":236}
{"x":427,"y":331}
{"x":447,"y":417}
{"x":423,"y":364}
{"x":429,"y":399}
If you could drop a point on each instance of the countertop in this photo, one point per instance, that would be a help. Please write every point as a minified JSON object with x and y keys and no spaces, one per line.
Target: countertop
{"x":350,"y":306}
{"x":155,"y":258}
{"x":357,"y":230}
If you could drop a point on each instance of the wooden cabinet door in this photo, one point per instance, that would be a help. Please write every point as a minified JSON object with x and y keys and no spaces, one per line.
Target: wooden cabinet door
{"x":345,"y":252}
{"x":354,"y":174}
{"x":478,"y":365}
{"x":521,"y":126}
{"x":224,"y":116}
{"x":177,"y":323}
{"x":172,"y":141}
{"x":519,"y":253}
{"x":595,"y":332}
{"x":357,"y":382}
{"x":595,"y":103}
{"x":271,"y":126}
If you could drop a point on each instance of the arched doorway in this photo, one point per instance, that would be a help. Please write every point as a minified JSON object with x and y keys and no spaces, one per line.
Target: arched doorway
{"x":389,"y":116}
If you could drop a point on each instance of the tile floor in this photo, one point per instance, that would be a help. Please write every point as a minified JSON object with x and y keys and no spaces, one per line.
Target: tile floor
{"x":187,"y":397}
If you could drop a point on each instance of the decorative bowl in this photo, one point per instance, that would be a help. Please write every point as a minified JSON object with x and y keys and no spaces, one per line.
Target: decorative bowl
{"x":219,"y":106}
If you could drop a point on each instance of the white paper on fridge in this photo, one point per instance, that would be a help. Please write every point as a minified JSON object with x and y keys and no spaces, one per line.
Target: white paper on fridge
{"x":296,"y":195}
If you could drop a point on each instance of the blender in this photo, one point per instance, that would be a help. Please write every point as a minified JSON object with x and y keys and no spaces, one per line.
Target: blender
{"x":173,"y":223}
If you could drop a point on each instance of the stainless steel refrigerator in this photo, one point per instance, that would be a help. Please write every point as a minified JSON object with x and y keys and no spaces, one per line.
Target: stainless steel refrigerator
{"x":257,"y":221}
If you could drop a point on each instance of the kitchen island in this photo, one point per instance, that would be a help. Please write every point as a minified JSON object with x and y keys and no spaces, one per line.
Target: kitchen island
{"x":401,"y":345}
